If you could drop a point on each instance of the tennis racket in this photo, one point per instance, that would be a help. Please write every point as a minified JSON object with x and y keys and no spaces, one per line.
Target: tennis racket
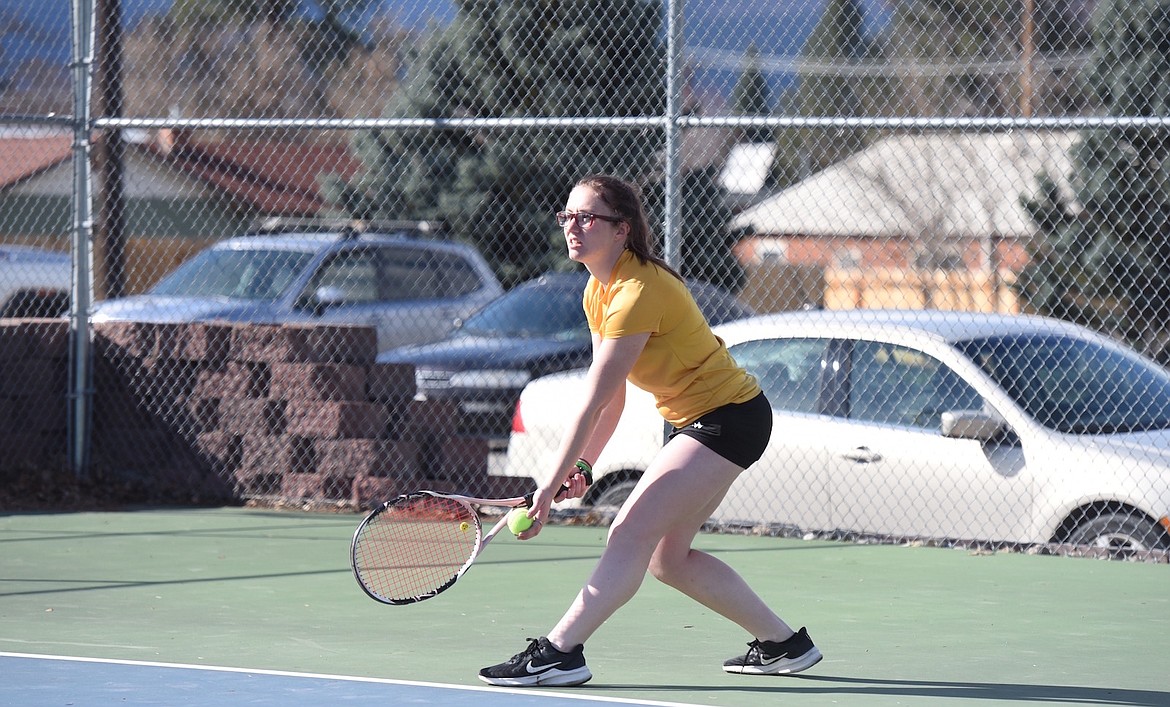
{"x":416,"y":546}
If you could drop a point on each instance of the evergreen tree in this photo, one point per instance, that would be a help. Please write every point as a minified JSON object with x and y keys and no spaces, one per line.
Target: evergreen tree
{"x":504,"y":58}
{"x":1103,"y":256}
{"x":752,"y":96}
{"x":706,"y":241}
{"x":837,"y":38}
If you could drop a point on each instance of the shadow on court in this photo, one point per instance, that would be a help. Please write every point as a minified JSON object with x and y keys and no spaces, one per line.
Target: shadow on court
{"x":851,"y":690}
{"x":207,"y":590}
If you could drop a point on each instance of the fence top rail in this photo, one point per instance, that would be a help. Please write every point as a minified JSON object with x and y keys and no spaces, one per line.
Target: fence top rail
{"x":978,"y":124}
{"x":632,"y":122}
{"x":968,"y":124}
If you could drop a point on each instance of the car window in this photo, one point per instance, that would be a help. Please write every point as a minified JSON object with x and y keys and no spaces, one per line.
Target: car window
{"x":1075,"y":386}
{"x":718,"y":305}
{"x":421,"y":273}
{"x":788,"y":370}
{"x":355,"y":273}
{"x":408,"y":273}
{"x":553,"y":312}
{"x":453,"y":275}
{"x":237,"y":273}
{"x":901,"y":386}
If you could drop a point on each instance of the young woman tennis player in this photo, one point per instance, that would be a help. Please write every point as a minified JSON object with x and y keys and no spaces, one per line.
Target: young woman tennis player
{"x":647,"y":328}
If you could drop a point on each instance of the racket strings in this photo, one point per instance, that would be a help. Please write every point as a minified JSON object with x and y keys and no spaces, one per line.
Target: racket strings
{"x":415,"y":546}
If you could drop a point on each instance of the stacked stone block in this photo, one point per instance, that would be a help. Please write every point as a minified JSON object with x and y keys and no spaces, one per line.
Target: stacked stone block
{"x":278,"y":412}
{"x":219,"y":411}
{"x":33,"y":405}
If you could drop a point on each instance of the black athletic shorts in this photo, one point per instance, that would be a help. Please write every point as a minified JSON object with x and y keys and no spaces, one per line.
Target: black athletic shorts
{"x":738,"y":432}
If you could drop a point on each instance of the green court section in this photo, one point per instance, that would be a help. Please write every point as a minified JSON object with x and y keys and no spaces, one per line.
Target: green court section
{"x":898,"y":625}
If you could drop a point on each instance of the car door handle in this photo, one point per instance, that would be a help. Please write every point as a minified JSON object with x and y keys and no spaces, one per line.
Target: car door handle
{"x":862,"y":454}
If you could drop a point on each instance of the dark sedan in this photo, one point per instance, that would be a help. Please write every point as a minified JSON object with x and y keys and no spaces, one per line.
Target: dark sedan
{"x":535,"y":329}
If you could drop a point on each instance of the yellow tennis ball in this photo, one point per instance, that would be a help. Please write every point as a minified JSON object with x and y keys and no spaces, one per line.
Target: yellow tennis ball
{"x":518,"y":520}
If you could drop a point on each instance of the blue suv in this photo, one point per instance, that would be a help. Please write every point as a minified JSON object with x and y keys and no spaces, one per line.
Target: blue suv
{"x":412,"y":288}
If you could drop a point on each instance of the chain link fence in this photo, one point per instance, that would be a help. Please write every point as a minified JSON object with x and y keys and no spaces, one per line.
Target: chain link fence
{"x":304,"y":253}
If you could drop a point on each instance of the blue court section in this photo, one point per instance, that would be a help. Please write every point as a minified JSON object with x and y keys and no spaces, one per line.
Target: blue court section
{"x":53,"y":681}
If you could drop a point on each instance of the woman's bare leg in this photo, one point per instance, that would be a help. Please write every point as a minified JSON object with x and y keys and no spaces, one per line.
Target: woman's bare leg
{"x":654,"y":530}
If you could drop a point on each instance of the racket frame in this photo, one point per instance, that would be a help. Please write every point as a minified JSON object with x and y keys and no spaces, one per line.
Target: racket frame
{"x":482,"y":539}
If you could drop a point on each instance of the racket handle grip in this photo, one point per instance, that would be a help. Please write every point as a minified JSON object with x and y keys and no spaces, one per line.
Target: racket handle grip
{"x":586,"y":472}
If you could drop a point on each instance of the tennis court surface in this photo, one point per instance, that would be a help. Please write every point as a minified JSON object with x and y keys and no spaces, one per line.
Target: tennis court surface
{"x":249,"y":607}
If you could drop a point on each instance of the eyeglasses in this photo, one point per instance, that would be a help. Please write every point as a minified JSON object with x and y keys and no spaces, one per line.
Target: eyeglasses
{"x":584,"y":219}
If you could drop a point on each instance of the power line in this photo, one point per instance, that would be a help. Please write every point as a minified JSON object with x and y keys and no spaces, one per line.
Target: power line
{"x":776,"y":63}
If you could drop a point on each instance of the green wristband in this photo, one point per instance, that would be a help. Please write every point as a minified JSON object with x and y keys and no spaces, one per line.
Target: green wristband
{"x":584,"y":466}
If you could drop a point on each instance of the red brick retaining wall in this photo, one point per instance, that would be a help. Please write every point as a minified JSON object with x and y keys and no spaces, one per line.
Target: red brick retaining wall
{"x":227,"y":411}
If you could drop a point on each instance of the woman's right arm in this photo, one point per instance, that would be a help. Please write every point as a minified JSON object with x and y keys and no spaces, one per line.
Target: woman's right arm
{"x":606,"y":423}
{"x":594,"y":421}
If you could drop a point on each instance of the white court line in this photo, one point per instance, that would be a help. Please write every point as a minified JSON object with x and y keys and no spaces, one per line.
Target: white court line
{"x":349,"y":678}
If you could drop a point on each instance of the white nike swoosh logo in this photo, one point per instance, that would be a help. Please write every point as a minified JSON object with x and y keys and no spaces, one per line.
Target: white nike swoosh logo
{"x":534,"y":669}
{"x":777,"y":659}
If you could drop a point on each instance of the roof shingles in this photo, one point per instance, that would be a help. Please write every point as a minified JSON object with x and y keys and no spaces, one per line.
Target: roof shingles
{"x":272,"y":177}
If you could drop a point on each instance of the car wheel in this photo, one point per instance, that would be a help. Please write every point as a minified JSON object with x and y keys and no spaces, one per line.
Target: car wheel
{"x":1120,"y":533}
{"x":615,"y":494}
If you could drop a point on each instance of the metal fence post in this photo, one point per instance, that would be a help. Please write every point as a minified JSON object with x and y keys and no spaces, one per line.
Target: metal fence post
{"x":672,"y":172}
{"x":81,"y":246}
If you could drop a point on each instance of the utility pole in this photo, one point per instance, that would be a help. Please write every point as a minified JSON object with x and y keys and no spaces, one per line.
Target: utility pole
{"x":1027,"y":57}
{"x":109,"y":154}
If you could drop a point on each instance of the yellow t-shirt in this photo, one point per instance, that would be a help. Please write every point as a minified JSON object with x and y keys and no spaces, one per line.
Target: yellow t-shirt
{"x":684,"y":365}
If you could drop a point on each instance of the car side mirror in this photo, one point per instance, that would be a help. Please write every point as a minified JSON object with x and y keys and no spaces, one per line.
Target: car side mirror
{"x":325,"y":297}
{"x":971,"y":424}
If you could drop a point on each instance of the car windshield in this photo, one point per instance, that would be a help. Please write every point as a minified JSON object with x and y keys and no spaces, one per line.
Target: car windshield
{"x":718,"y":305}
{"x":1076,"y":386}
{"x":552,"y":312}
{"x":235,"y":273}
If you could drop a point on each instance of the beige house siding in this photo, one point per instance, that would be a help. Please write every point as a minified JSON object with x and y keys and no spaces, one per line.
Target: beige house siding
{"x":914,"y":221}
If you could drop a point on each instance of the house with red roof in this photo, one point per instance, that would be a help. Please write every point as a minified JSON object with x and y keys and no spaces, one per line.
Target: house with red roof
{"x":181,"y":193}
{"x":174,"y":187}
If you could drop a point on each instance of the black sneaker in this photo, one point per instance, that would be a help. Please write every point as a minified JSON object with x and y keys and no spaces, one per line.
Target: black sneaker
{"x":776,"y":657}
{"x":540,"y":664}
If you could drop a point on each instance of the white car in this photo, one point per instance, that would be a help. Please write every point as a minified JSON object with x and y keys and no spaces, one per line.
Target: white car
{"x":34,"y":282}
{"x":919,"y":424}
